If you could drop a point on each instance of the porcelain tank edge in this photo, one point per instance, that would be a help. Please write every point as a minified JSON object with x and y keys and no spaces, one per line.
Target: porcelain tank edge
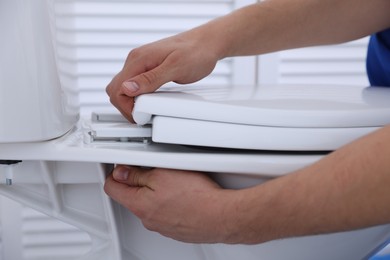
{"x":34,"y":104}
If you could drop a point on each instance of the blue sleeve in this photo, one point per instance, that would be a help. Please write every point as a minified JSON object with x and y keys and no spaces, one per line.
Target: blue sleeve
{"x":378,"y":59}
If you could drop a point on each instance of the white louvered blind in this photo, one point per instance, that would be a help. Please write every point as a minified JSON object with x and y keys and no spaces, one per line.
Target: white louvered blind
{"x":96,"y":36}
{"x":30,"y":235}
{"x":342,"y":64}
{"x":48,"y":238}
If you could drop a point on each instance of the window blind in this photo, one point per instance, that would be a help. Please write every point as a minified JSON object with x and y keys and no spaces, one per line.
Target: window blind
{"x":342,"y":64}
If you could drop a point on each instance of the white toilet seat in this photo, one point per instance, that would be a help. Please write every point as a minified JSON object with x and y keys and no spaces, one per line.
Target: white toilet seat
{"x":281,"y":118}
{"x":227,"y":135}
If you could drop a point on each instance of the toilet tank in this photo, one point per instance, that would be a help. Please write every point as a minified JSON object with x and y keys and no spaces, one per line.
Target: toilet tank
{"x":35,"y":102}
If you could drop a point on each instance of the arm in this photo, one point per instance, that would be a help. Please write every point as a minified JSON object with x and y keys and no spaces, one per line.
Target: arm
{"x":351,"y":183}
{"x":275,"y":25}
{"x":256,"y":29}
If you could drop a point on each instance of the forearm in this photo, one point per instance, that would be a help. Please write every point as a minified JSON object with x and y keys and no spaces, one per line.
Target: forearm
{"x":284,"y":24}
{"x":351,"y":183}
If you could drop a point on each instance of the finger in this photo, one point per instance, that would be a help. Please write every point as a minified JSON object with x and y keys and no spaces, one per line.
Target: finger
{"x":132,"y":176}
{"x":130,"y":197}
{"x":125,"y":105}
{"x":148,"y":81}
{"x":122,"y":102}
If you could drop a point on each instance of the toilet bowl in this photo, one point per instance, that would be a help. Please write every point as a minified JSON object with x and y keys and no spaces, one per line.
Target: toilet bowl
{"x":241,"y":135}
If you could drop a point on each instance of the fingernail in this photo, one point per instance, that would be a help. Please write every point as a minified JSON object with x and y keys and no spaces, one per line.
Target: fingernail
{"x":121,"y":174}
{"x":131,"y":86}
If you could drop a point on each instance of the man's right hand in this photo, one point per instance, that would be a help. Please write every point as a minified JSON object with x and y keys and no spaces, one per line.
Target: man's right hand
{"x":183,"y":58}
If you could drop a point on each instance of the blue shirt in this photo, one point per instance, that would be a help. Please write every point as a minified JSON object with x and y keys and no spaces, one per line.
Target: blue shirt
{"x":378,"y":59}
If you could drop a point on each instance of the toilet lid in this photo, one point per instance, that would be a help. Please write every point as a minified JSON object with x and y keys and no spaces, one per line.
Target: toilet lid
{"x":280,"y":117}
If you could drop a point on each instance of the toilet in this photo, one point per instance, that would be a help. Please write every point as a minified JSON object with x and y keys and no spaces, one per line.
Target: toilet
{"x":241,"y":135}
{"x":56,"y":163}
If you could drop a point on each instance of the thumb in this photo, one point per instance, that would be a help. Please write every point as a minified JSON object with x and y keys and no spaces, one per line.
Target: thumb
{"x":132,"y":176}
{"x":146,"y":82}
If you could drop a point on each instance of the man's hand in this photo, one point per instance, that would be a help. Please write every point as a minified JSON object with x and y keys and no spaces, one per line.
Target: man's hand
{"x":183,"y":205}
{"x":184,"y":58}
